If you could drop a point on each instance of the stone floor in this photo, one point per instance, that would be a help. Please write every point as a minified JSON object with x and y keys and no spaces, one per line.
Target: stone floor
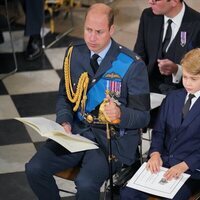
{"x":37,"y":81}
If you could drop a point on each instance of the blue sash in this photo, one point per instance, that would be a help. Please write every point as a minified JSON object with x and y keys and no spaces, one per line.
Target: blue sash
{"x":97,"y":93}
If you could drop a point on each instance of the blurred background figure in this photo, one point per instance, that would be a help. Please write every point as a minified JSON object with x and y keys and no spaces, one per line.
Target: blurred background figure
{"x":34,"y":12}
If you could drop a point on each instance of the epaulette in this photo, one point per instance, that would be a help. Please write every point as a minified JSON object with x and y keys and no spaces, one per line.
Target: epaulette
{"x":77,"y":42}
{"x":130,"y":53}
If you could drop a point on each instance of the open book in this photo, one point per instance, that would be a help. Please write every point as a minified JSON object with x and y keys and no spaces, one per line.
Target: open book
{"x":155,"y":184}
{"x":50,"y":129}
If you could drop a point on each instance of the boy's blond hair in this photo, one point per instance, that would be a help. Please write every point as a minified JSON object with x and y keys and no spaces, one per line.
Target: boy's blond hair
{"x":191,"y":61}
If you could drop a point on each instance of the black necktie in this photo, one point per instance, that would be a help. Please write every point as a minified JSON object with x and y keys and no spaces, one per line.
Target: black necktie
{"x":93,"y":62}
{"x":187,"y":105}
{"x":168,"y":36}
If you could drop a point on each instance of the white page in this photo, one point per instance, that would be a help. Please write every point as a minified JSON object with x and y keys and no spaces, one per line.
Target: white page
{"x":71,"y":144}
{"x":50,"y":129}
{"x":145,"y":181}
{"x":156,"y":99}
{"x":44,"y":125}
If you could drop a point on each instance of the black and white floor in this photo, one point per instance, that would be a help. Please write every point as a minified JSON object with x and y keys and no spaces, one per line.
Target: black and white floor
{"x":32,"y":90}
{"x":29,"y":92}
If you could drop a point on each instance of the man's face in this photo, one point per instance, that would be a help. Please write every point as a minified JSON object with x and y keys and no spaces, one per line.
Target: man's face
{"x":161,"y":7}
{"x":191,"y":82}
{"x":97,"y":33}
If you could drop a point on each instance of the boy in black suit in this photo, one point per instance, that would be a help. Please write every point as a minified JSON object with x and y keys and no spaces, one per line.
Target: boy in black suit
{"x":175,"y":137}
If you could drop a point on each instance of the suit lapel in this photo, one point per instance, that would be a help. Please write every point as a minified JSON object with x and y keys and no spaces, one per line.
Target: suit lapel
{"x":156,"y":24}
{"x":193,"y":113}
{"x":179,"y":103}
{"x":85,"y":55}
{"x":176,"y":49}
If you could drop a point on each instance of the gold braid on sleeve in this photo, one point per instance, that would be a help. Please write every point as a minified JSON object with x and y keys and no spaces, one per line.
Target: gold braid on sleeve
{"x":80,"y":94}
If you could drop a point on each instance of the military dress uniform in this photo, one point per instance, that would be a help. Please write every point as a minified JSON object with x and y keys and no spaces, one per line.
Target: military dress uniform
{"x":124,"y":75}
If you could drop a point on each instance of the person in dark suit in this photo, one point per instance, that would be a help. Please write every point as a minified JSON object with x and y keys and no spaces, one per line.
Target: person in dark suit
{"x":34,"y":12}
{"x":125,"y":106}
{"x":175,"y":137}
{"x":164,"y":68}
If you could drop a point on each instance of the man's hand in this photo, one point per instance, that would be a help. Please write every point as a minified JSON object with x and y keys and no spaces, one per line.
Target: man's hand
{"x":155,"y":162}
{"x":67,"y":127}
{"x":112,"y":110}
{"x":176,"y":171}
{"x":167,"y":67}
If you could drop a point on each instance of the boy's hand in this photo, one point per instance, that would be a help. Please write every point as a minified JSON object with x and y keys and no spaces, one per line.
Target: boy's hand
{"x":155,"y":162}
{"x":176,"y":171}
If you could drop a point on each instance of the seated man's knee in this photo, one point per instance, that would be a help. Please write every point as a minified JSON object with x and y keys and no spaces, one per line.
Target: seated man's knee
{"x":33,"y":169}
{"x":86,"y":184}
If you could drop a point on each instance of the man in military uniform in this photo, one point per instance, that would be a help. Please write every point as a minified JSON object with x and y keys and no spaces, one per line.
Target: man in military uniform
{"x":114,"y":96}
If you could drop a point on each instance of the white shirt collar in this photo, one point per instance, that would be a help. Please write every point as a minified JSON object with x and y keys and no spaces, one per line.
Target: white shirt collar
{"x":197,"y":94}
{"x":103,"y":53}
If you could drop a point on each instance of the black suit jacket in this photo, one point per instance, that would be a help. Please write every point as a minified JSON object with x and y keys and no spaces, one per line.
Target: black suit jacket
{"x":178,"y":140}
{"x":149,"y":41}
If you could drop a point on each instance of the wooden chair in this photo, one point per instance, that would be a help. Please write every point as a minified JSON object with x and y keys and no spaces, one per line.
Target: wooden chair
{"x":64,"y":6}
{"x":195,"y":196}
{"x":71,"y":173}
{"x":53,"y":6}
{"x":68,"y":174}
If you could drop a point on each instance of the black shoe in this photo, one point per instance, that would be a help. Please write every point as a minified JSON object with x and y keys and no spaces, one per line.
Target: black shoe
{"x":34,"y":49}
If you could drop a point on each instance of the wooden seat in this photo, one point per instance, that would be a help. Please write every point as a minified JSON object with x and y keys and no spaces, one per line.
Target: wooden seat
{"x":68,"y":174}
{"x":65,"y":7}
{"x":57,"y":5}
{"x":196,"y":196}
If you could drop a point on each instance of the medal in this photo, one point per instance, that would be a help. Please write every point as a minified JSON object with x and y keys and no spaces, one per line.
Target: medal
{"x":183,"y":38}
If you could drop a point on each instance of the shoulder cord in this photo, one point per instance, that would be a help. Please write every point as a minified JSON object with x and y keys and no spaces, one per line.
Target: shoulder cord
{"x":80,"y":95}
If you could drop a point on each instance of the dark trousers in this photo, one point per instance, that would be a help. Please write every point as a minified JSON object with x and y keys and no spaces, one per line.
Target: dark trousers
{"x":190,"y":187}
{"x":34,"y":11}
{"x":52,"y":158}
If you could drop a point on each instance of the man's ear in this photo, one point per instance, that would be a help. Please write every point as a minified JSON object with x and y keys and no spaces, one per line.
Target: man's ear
{"x":175,"y":2}
{"x":112,"y":30}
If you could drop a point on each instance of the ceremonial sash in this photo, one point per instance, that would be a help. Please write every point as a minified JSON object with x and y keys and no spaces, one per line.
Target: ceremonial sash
{"x":96,"y":94}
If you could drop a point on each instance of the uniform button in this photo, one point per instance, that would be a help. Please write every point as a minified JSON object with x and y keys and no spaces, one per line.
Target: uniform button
{"x":175,"y":139}
{"x":94,"y":80}
{"x":171,"y":156}
{"x":120,"y":47}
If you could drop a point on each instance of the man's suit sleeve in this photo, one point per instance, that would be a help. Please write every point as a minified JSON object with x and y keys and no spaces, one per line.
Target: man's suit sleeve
{"x":64,"y":112}
{"x":139,"y":47}
{"x":158,"y":134}
{"x":64,"y":108}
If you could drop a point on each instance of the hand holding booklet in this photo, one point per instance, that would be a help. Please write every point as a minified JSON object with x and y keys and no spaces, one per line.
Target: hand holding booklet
{"x":50,"y":129}
{"x":156,"y":184}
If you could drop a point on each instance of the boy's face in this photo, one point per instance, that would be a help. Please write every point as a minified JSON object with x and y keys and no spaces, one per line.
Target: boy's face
{"x":191,"y":82}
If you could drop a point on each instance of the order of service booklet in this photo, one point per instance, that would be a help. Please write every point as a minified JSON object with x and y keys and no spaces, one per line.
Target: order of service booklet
{"x":156,"y":184}
{"x":50,"y":129}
